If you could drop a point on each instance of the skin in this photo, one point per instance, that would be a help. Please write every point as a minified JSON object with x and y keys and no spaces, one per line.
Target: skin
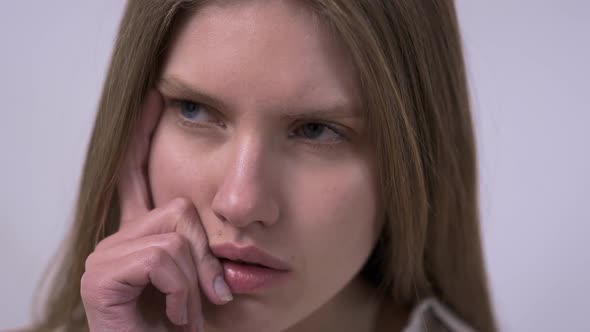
{"x":249,"y":168}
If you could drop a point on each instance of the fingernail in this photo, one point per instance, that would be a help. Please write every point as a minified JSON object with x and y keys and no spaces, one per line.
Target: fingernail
{"x":221,"y":289}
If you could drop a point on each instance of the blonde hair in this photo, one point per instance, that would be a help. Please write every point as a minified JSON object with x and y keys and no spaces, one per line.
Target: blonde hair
{"x":408,"y":59}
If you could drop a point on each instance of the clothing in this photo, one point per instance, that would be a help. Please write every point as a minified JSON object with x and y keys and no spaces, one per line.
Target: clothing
{"x":432,"y":316}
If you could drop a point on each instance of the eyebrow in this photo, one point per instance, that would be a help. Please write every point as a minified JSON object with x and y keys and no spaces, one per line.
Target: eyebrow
{"x":180,"y":89}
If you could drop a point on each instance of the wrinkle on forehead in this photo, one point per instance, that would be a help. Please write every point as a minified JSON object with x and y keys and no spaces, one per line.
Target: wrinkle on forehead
{"x":281,"y":46}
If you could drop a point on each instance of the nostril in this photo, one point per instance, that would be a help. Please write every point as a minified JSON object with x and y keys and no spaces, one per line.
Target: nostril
{"x":222,"y":218}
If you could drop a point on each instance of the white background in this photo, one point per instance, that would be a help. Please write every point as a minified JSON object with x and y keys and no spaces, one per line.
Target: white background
{"x":529,"y":72}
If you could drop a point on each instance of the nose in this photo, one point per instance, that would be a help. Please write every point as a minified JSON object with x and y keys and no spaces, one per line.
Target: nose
{"x":244,"y":195}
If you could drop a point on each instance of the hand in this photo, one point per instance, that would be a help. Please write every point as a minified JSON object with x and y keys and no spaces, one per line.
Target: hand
{"x":158,"y":255}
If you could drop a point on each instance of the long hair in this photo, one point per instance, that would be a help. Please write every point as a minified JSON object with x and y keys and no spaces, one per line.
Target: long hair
{"x":408,"y":59}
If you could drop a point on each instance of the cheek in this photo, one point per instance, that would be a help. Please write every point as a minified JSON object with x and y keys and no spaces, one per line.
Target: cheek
{"x":176,"y":167}
{"x":329,"y":211}
{"x":337,"y":219}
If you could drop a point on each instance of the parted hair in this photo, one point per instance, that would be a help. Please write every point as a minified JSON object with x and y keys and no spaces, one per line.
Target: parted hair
{"x":408,"y":59}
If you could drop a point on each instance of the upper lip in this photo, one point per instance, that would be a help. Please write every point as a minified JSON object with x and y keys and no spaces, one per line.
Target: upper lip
{"x":248,"y":254}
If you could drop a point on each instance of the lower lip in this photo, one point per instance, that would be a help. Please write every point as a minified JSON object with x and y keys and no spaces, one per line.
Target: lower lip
{"x":245,"y":278}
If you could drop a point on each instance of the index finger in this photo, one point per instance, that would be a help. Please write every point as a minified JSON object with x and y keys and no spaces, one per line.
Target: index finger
{"x":134,"y":196}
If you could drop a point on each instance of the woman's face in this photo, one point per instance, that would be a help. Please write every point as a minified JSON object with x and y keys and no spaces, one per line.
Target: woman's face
{"x":271,"y":151}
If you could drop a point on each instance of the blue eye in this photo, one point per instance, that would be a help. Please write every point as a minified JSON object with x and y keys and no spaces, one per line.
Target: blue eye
{"x":317,"y":134}
{"x":189,"y":109}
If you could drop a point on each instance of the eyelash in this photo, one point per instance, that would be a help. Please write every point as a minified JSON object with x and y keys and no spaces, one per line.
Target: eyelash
{"x":191,"y":125}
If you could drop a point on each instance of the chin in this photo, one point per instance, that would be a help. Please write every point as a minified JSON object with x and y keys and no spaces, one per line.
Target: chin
{"x":245,"y":314}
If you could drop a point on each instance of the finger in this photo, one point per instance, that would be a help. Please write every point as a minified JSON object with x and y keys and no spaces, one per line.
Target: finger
{"x":175,"y":245}
{"x":160,"y":220}
{"x":132,"y":182}
{"x":209,"y":269}
{"x":180,"y":216}
{"x":129,"y":276}
{"x":153,"y":265}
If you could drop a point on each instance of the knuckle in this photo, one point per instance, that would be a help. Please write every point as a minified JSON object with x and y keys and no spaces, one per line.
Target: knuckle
{"x":180,"y":289}
{"x":86,"y":285}
{"x":180,"y":208}
{"x":201,"y":245}
{"x":91,"y":261}
{"x":91,"y":290}
{"x":155,"y":257}
{"x":210,"y":261}
{"x":179,"y":212}
{"x":98,"y":293}
{"x":175,"y":244}
{"x":105,"y":242}
{"x":100,"y":244}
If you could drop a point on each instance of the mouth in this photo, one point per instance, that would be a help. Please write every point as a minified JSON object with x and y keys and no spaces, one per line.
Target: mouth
{"x":241,"y":262}
{"x":249,"y":270}
{"x":249,"y":255}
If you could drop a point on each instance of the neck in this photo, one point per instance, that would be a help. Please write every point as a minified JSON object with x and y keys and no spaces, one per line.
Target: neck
{"x":358,"y":307}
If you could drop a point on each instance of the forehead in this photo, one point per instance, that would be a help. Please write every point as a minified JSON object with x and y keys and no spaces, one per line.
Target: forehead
{"x":261,"y":51}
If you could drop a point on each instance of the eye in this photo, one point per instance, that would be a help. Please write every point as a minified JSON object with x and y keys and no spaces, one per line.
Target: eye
{"x":193,"y":114}
{"x":319,"y":136}
{"x":315,"y":130}
{"x":191,"y":110}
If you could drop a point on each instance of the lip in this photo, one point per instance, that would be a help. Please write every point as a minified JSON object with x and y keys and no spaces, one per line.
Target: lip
{"x":242,"y":276}
{"x":249,"y":254}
